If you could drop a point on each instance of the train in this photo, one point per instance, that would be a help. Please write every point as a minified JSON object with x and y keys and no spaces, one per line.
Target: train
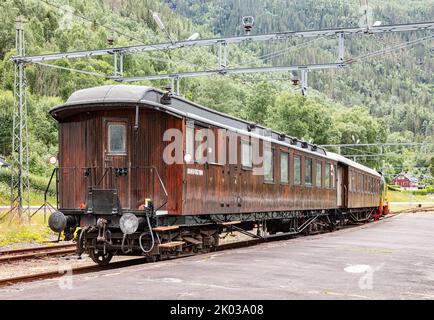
{"x":144,"y":172}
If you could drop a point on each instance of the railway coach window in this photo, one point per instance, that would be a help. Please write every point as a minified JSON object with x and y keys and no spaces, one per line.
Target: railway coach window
{"x":327,"y":175}
{"x":246,"y":154}
{"x":284,"y":167}
{"x":268,"y":165}
{"x":200,"y":145}
{"x":333,"y":175}
{"x":117,"y":138}
{"x":308,"y":174}
{"x":319,"y":174}
{"x":297,"y":170}
{"x":189,"y":142}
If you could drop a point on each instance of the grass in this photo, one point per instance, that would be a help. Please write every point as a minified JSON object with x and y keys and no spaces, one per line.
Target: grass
{"x":402,"y":196}
{"x":35,"y":231}
{"x":36,"y":197}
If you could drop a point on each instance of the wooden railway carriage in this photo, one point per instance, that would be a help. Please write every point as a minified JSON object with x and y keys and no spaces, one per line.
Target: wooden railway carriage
{"x":117,"y":184}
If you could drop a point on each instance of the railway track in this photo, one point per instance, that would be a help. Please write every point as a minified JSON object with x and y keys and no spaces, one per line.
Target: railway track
{"x":36,"y":252}
{"x":413,"y":210}
{"x":141,"y":260}
{"x":113,"y":265}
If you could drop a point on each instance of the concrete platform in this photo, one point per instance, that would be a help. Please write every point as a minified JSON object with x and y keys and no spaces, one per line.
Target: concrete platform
{"x":389,"y":259}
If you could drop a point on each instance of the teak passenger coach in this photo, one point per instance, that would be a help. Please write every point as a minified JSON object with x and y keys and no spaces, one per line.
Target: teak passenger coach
{"x":114,"y":186}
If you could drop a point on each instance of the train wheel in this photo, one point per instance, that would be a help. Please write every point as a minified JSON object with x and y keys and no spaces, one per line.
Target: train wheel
{"x":99,"y":257}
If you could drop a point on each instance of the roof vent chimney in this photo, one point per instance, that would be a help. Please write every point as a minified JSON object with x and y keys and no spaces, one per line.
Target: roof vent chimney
{"x":167,"y":96}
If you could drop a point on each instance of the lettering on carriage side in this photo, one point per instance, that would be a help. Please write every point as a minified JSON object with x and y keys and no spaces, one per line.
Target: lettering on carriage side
{"x":194,"y":172}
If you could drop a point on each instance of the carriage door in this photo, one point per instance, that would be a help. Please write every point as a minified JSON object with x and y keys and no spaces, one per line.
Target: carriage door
{"x":342,"y":185}
{"x":117,"y":158}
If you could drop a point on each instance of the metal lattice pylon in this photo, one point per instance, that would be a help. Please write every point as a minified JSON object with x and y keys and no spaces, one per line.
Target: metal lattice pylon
{"x":20,"y":182}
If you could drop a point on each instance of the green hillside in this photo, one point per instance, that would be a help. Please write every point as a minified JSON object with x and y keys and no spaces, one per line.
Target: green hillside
{"x":383,"y":99}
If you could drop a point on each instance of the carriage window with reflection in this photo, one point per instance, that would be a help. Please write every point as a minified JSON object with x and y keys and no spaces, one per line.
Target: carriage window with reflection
{"x":200,"y":145}
{"x":297,"y":170}
{"x":327,"y":176}
{"x":268,"y":165}
{"x":308,"y":174}
{"x":189,"y":144}
{"x":246,"y":154}
{"x":333,"y":176}
{"x":319,"y":174}
{"x":284,"y":167}
{"x":117,"y":138}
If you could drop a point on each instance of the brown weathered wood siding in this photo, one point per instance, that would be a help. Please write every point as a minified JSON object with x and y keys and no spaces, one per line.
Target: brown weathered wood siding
{"x":83,"y":139}
{"x":222,"y":188}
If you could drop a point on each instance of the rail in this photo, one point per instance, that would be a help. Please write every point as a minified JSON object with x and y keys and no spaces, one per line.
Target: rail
{"x":137,"y":261}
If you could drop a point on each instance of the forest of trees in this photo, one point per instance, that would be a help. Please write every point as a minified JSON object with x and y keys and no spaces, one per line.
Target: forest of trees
{"x":385,"y":99}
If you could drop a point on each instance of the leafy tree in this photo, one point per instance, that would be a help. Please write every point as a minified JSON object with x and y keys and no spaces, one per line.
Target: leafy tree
{"x":259,"y":102}
{"x":302,"y":117}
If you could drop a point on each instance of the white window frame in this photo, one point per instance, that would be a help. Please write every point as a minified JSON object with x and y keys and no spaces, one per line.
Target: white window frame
{"x":298,"y":183}
{"x":282,"y":153}
{"x":246,"y":163}
{"x":318,"y":165}
{"x":271,"y":151}
{"x":111,"y":124}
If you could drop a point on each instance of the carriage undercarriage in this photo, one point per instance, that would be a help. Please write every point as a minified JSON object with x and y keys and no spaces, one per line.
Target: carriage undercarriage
{"x":101,"y":242}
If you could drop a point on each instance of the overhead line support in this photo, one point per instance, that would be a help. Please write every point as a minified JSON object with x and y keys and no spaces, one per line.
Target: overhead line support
{"x":231,"y":40}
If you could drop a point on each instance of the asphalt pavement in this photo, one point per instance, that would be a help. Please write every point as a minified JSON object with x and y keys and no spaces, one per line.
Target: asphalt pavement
{"x":389,"y":259}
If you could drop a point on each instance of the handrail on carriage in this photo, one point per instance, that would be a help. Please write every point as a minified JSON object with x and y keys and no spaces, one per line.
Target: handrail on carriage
{"x":46,"y":203}
{"x":153,"y":169}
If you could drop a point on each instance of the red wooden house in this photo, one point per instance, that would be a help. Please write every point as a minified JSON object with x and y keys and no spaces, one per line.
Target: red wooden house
{"x":406,"y":181}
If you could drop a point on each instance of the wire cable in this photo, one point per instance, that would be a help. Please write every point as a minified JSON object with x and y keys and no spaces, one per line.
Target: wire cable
{"x":70,"y":69}
{"x":90,"y":20}
{"x":282,"y":51}
{"x":388,"y":50}
{"x":187,"y":62}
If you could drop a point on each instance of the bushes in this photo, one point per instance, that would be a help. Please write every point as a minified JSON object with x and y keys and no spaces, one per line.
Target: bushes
{"x":37,"y":183}
{"x":393,"y":187}
{"x":422,"y":192}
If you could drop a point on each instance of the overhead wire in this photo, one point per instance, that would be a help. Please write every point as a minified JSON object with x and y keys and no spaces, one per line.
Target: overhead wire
{"x":388,"y":50}
{"x":283,"y":51}
{"x":71,"y":69}
{"x":243,"y":63}
{"x":60,"y":8}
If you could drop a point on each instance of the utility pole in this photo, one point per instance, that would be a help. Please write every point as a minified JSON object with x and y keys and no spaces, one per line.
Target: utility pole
{"x":20,"y":184}
{"x":304,"y":82}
